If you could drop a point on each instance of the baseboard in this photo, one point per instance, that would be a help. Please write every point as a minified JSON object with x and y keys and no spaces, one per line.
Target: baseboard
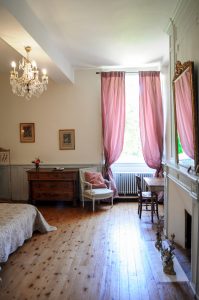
{"x":124,"y":198}
{"x":194,"y":291}
{"x":12,"y":201}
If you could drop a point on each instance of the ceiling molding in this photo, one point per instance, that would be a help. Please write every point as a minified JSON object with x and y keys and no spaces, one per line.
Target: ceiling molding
{"x":29,"y":31}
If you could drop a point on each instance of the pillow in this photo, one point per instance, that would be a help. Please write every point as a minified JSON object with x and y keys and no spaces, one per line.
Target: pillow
{"x":96,"y":179}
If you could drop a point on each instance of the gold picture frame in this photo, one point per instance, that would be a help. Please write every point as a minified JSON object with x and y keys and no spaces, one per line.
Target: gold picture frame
{"x":27,"y":132}
{"x":67,"y":139}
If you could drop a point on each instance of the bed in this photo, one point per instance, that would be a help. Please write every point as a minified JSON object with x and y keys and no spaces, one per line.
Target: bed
{"x":17,"y":223}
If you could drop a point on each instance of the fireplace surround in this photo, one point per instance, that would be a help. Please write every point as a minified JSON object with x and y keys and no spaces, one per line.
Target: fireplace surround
{"x":182,"y":214}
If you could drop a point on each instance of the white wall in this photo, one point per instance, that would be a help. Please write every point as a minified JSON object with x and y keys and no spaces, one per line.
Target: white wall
{"x":61,"y":107}
{"x":166,"y":111}
{"x":187,"y":30}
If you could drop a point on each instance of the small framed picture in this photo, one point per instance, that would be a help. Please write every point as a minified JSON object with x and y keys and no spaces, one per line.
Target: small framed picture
{"x":27,"y":132}
{"x":67,"y":139}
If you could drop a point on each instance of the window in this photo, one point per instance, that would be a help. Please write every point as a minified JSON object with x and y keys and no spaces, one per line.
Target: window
{"x":184,"y":159}
{"x":132,"y":151}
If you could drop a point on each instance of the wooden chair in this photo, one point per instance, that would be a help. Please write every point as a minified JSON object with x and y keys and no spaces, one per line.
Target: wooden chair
{"x":146,"y":199}
{"x":89,"y":193}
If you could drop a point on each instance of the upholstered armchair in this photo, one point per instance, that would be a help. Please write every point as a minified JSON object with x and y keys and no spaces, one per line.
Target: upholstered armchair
{"x":94,"y":186}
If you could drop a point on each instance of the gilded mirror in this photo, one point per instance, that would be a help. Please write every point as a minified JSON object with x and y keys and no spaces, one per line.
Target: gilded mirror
{"x":185,"y":116}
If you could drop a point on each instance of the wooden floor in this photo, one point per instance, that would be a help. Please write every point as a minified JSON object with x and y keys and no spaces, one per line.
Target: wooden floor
{"x":90,"y":256}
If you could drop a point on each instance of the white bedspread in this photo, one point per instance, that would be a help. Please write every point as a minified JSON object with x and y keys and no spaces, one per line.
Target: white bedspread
{"x":17,"y":223}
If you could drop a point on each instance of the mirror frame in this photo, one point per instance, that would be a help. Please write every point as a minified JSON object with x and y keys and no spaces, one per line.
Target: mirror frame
{"x":179,"y":71}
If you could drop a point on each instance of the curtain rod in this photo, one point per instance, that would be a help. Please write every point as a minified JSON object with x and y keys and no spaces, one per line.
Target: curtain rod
{"x":119,"y":71}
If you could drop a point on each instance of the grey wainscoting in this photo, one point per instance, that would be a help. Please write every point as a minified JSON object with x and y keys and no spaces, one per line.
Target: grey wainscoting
{"x":5,"y":182}
{"x":14,"y":183}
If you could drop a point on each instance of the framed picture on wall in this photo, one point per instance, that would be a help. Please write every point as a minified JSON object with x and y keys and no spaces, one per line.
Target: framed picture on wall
{"x":27,"y":132}
{"x":67,"y":139}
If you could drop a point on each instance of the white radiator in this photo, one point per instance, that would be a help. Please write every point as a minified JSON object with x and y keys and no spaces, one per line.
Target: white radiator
{"x":126,"y":182}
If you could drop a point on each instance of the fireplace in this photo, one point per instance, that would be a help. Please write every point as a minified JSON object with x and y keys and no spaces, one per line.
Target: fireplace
{"x":182,"y":216}
{"x":188,"y":220}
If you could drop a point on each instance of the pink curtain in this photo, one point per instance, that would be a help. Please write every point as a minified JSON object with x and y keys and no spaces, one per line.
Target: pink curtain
{"x":151,"y":119}
{"x":113,"y":118}
{"x":183,"y":98}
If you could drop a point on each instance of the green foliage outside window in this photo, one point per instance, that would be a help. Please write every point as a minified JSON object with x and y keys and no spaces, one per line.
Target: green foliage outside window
{"x":180,"y":150}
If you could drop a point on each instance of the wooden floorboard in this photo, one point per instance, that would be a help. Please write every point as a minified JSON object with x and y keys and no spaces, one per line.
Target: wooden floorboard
{"x":91,"y":256}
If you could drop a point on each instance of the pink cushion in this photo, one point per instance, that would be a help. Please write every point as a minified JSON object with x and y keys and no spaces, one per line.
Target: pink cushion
{"x":96,"y":179}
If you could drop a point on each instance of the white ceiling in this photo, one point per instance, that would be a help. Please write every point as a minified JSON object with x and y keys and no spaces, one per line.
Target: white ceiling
{"x":69,"y":34}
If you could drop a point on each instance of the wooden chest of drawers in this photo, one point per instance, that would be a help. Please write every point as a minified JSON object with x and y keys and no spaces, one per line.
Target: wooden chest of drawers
{"x":50,"y":184}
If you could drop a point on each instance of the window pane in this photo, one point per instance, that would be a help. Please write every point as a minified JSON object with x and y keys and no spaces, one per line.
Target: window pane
{"x":132,"y":151}
{"x":183,"y":158}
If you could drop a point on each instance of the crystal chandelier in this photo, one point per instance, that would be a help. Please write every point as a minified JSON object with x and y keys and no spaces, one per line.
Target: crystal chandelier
{"x":28,"y":84}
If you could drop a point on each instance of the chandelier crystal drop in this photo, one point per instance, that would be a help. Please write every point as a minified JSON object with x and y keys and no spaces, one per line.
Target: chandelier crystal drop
{"x":28,"y":84}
